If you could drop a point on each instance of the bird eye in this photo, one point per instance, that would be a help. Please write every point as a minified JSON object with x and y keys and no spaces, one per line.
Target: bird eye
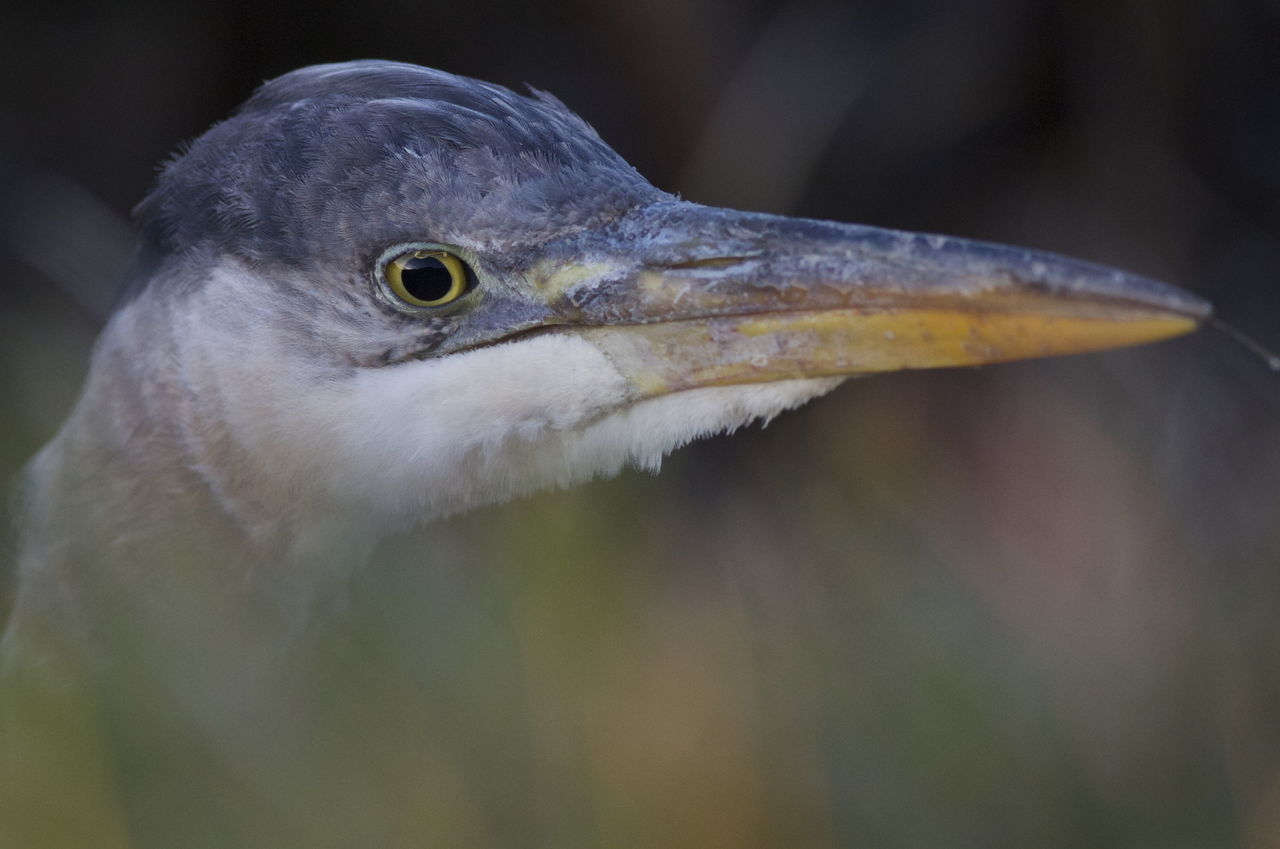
{"x":427,"y":278}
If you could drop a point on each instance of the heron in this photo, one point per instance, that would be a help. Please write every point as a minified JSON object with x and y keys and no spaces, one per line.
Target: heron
{"x":380,"y":294}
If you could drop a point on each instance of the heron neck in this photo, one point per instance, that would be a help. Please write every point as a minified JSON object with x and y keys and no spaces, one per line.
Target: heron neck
{"x":142,"y":486}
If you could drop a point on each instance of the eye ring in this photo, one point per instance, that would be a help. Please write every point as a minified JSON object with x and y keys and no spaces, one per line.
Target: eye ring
{"x":425,"y":277}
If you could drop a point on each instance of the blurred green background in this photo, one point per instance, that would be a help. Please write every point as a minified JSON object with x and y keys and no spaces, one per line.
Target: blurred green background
{"x":1031,"y":605}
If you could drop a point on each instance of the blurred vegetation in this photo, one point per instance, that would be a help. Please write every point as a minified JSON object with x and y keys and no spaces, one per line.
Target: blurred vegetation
{"x":1033,"y":605}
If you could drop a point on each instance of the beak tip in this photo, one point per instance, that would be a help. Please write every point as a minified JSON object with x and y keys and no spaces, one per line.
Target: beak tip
{"x":1148,"y":294}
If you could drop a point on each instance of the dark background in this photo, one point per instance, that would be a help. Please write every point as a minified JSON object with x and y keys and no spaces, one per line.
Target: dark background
{"x":1037,"y":604}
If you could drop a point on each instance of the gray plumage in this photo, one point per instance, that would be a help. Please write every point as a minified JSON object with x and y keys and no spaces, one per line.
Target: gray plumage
{"x":326,"y":164}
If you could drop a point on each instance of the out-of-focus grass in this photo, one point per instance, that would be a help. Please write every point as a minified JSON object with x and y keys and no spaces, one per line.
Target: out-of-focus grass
{"x":934,"y":610}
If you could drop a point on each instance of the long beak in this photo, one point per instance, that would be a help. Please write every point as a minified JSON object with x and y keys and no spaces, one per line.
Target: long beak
{"x":681,"y":296}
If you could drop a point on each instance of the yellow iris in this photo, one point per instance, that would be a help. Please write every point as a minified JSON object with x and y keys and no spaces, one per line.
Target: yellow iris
{"x":427,"y":278}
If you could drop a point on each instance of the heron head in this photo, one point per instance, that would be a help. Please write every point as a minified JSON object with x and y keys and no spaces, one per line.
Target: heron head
{"x":393,"y":289}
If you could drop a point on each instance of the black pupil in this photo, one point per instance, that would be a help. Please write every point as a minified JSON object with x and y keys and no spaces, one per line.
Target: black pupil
{"x":426,"y":278}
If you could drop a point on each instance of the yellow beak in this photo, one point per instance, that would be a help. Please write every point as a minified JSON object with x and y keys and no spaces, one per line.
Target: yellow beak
{"x":681,"y":296}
